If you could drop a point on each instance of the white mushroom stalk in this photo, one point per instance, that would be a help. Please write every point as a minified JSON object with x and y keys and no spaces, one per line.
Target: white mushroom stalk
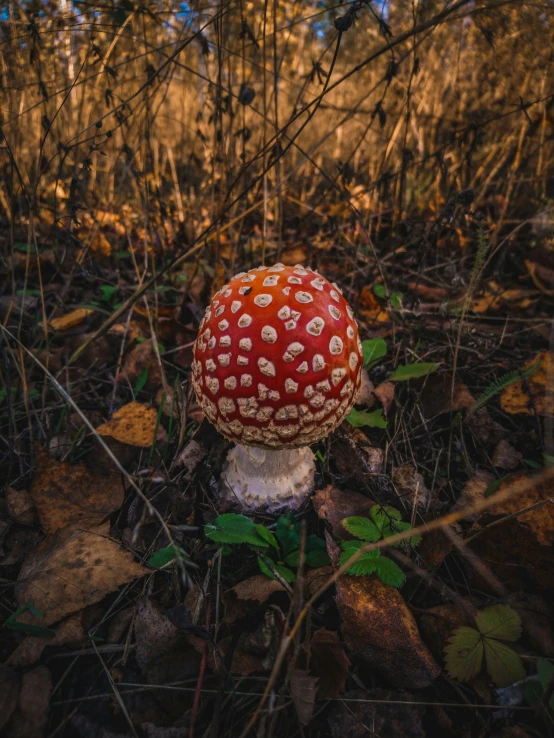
{"x":277,"y":364}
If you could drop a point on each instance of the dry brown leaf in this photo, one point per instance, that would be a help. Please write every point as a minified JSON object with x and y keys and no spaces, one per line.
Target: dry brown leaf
{"x":69,"y":632}
{"x":519,"y":551}
{"x":356,"y":458}
{"x":435,"y":547}
{"x":539,"y":398}
{"x":329,"y":663}
{"x":365,"y":395}
{"x":163,"y":652}
{"x":72,"y":319}
{"x":20,"y":506}
{"x":133,"y":424}
{"x":370,"y":308}
{"x":385,"y":394}
{"x":303,"y":690}
{"x":9,"y":691}
{"x":71,"y":569}
{"x":29,"y":719}
{"x":436,"y":396}
{"x":378,"y":627}
{"x":246,"y":596}
{"x":141,"y":358}
{"x":473,"y":492}
{"x":541,"y":519}
{"x":411,"y":487}
{"x":100,"y":246}
{"x":69,"y":494}
{"x":293,"y":255}
{"x":333,"y":505}
{"x":437,"y":623}
{"x":505,"y":456}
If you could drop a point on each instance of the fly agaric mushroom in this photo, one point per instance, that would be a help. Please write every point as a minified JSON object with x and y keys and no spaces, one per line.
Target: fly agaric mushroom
{"x":277,"y":364}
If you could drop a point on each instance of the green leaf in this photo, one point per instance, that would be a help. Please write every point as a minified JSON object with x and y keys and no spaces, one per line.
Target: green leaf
{"x":379,"y":290}
{"x":365,"y":564}
{"x":232,"y":528}
{"x":548,"y":459}
{"x":389,"y":572}
{"x":383,"y":516}
{"x":317,"y":558}
{"x":499,"y":621}
{"x":495,"y":484}
{"x":503,"y":664}
{"x":359,"y":418}
{"x":396,"y":300}
{"x":141,"y":381}
{"x":464,"y":654}
{"x":362,"y":528}
{"x":413,"y":371}
{"x":545,"y":671}
{"x":267,"y":535}
{"x":165,"y":556}
{"x":373,"y":350}
{"x":283,"y":571}
{"x":287,"y":532}
{"x":108,"y":292}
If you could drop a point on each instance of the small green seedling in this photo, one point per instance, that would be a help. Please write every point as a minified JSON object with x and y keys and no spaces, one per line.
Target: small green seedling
{"x":384,"y":521}
{"x":12,"y":623}
{"x":279,"y":552}
{"x":466,"y":647}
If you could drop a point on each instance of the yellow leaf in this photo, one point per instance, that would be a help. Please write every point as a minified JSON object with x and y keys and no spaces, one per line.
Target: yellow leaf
{"x":540,"y":385}
{"x":72,"y":319}
{"x":503,"y":664}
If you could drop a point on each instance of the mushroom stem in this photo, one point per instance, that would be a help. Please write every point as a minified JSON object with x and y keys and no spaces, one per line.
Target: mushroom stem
{"x":268,"y":479}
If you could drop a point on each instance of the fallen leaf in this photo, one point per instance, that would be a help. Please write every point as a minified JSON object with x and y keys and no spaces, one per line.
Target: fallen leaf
{"x":370,"y":308}
{"x":411,"y":486}
{"x":9,"y":691}
{"x":365,"y":396}
{"x":385,"y":394}
{"x":163,"y":652}
{"x":69,"y":632}
{"x":484,"y":428}
{"x":473,"y":492}
{"x":437,"y":623}
{"x":247,"y":596}
{"x":329,"y":663}
{"x":437,"y":398}
{"x":29,"y":719}
{"x":377,"y":712}
{"x":334,"y":505}
{"x":143,"y":359}
{"x":20,"y":506}
{"x":293,"y":255}
{"x":303,"y":690}
{"x":378,"y":628}
{"x":433,"y":294}
{"x":519,"y":551}
{"x":71,"y":569}
{"x":72,"y":319}
{"x":541,"y":519}
{"x":70,"y":494}
{"x":100,"y":246}
{"x":356,"y":458}
{"x":536,"y":394}
{"x":435,"y":547}
{"x":134,"y":424}
{"x":505,"y":456}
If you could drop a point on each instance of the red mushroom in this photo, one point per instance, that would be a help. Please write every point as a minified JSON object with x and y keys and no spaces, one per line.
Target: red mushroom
{"x":277,"y":364}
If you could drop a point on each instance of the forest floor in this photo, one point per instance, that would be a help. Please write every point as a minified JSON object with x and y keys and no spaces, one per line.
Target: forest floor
{"x":130,"y":609}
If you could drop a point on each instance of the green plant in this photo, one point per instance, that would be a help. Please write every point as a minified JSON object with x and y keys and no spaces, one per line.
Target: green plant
{"x":279,"y":552}
{"x":467,"y":646}
{"x":535,"y":690}
{"x":383,"y":521}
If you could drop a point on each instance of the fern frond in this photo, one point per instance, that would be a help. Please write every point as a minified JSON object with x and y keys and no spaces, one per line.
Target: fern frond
{"x":500,"y":384}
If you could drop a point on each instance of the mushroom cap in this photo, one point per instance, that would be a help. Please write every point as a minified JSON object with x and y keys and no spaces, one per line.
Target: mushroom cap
{"x":278,"y":359}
